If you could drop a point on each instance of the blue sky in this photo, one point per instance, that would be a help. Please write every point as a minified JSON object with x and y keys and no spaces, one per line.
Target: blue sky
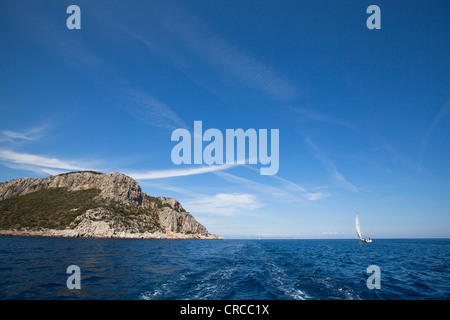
{"x":363,"y":115}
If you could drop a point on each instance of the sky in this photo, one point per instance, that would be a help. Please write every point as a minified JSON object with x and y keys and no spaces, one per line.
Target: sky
{"x":363,"y":114}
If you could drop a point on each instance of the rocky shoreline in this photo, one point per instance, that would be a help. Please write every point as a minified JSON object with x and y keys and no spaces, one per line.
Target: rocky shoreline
{"x":120,"y":235}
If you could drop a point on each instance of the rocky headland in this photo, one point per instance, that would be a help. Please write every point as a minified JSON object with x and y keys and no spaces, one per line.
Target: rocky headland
{"x":92,"y":204}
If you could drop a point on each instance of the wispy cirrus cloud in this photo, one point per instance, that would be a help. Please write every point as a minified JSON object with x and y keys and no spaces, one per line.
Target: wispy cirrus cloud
{"x":287,"y":190}
{"x":53,"y":165}
{"x":285,"y":187}
{"x":443,"y":112}
{"x":329,"y":165}
{"x":315,"y":116}
{"x":7,"y":135}
{"x":39,"y":163}
{"x":37,"y":24}
{"x":19,"y":136}
{"x":224,"y":204}
{"x":170,"y":173}
{"x":307,"y":194}
{"x":198,"y":40}
{"x":152,"y":111}
{"x":75,"y":52}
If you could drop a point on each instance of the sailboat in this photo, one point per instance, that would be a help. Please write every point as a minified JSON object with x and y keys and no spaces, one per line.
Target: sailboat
{"x":359,"y":232}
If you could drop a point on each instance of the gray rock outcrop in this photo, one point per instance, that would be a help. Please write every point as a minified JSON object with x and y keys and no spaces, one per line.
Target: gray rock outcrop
{"x":172,"y":221}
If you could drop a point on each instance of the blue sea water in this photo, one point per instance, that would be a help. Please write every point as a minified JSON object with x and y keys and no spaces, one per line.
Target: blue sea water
{"x":35,"y":268}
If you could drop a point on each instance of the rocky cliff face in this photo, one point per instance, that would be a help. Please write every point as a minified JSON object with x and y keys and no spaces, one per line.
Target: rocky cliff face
{"x":119,"y":209}
{"x":113,"y":186}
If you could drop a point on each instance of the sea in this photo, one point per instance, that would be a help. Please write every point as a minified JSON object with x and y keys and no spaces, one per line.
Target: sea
{"x":37,"y":268}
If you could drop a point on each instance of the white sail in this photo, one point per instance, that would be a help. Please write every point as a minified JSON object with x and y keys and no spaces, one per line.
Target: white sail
{"x":358,"y":227}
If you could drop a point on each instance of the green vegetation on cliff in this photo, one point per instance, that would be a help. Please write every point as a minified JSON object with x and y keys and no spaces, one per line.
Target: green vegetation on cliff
{"x":49,"y":208}
{"x":58,"y":208}
{"x":92,"y":204}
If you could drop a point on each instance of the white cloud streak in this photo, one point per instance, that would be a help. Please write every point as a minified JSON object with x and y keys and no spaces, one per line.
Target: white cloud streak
{"x":288,"y":191}
{"x":45,"y":164}
{"x":329,"y":165}
{"x":152,"y":111}
{"x":8,"y":135}
{"x":75,"y":52}
{"x":16,"y":137}
{"x":289,"y":188}
{"x":170,"y":173}
{"x":190,"y":34}
{"x":224,"y":204}
{"x":315,"y":116}
{"x":445,"y":110}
